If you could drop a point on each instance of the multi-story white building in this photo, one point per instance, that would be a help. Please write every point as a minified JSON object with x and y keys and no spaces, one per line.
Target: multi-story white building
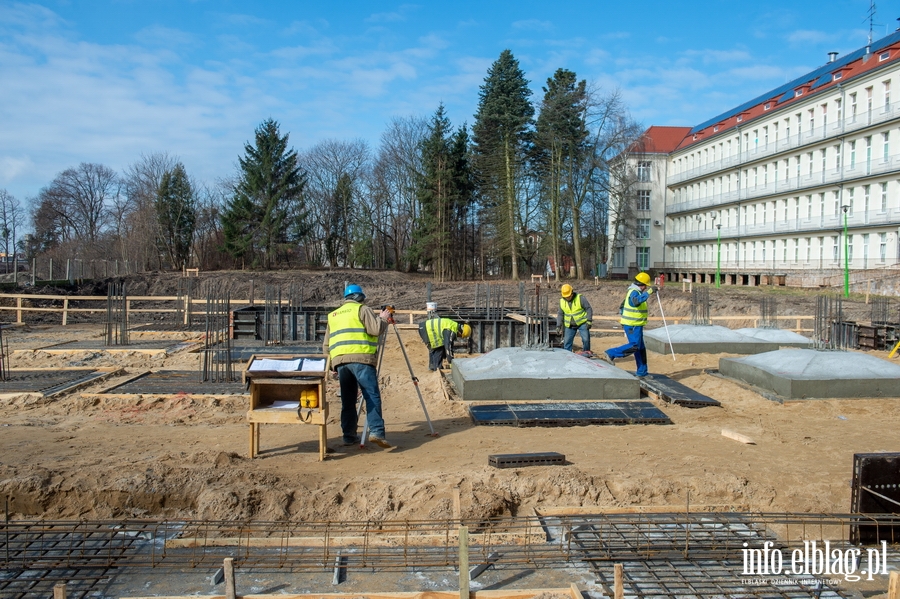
{"x":765,"y":192}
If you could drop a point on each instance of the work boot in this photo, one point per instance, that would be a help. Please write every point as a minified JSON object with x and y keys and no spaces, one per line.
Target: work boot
{"x":348,"y":441}
{"x":607,"y":358}
{"x":380,"y":442}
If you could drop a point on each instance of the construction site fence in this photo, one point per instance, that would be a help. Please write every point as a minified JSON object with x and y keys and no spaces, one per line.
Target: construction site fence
{"x":67,"y":305}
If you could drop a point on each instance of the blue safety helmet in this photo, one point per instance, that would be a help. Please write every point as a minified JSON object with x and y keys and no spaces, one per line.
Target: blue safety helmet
{"x":354,"y":290}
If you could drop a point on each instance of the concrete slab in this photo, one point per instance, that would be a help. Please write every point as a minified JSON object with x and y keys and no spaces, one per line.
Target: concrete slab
{"x":780,"y":336}
{"x":700,"y":339}
{"x":807,"y":374}
{"x":515,"y":373}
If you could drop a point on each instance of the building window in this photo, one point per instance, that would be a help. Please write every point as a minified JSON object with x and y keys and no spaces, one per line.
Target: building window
{"x":850,"y":197}
{"x":886,"y":90}
{"x":767,"y":105}
{"x":809,"y":161}
{"x":808,"y":248}
{"x":835,"y":256}
{"x":886,"y":146}
{"x":865,"y":250}
{"x":643,"y":172}
{"x":884,"y":197}
{"x":836,"y":76}
{"x":849,"y":249}
{"x":882,"y":247}
{"x":796,"y":250}
{"x":884,"y":56}
{"x":839,"y":109}
{"x":809,"y":206}
{"x":837,"y":157}
{"x":643,"y":228}
{"x":643,"y":199}
{"x":853,"y":105}
{"x":853,"y":154}
{"x":866,"y":190}
{"x":797,"y":209}
{"x":812,"y":119}
{"x":619,"y":258}
{"x":643,"y":258}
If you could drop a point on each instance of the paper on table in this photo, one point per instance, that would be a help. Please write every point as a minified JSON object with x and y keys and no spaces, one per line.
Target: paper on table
{"x":313,"y":365}
{"x":281,"y":404}
{"x":275,"y":365}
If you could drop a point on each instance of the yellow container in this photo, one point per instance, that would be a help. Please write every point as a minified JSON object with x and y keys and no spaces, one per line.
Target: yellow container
{"x":309,"y":398}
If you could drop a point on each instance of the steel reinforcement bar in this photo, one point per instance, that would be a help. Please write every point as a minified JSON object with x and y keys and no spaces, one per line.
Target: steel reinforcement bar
{"x":535,"y":541}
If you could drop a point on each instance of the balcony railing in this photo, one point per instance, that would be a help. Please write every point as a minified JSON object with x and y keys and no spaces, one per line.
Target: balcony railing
{"x":793,"y":142}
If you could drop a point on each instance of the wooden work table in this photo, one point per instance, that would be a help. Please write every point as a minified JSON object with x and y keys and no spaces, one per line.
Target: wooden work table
{"x":275,"y":392}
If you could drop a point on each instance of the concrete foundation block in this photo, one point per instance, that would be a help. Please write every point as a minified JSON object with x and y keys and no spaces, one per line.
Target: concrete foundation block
{"x":793,"y":374}
{"x":514,"y":373}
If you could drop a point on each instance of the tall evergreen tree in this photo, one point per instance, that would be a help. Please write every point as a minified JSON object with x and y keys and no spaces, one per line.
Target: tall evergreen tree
{"x":501,"y":138}
{"x":445,"y":194}
{"x":560,"y":155}
{"x":176,"y":215}
{"x":267,"y":204}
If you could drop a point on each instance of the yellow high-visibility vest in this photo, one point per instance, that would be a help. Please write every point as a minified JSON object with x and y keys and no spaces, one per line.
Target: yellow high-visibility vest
{"x":633,"y":316}
{"x":347,"y":333}
{"x":435,"y":328}
{"x":573,"y":313}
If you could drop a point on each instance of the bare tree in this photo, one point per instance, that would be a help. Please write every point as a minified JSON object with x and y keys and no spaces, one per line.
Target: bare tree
{"x":136,"y":214}
{"x":12,"y":218}
{"x":77,"y":203}
{"x":335,"y":170}
{"x":392,"y":197}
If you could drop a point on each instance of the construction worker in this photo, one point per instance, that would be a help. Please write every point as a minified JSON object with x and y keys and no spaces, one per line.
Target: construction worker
{"x":351,"y":341}
{"x":439,"y":334}
{"x":575,"y":314}
{"x":634,"y":318}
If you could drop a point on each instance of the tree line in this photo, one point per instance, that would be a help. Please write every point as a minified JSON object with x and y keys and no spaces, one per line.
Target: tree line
{"x":525,"y":182}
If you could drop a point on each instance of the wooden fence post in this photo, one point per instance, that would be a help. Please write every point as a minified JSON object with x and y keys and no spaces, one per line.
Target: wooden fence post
{"x":65,"y":311}
{"x":894,"y":585}
{"x":619,"y":576}
{"x":19,"y":311}
{"x":463,"y":562}
{"x":230,"y":592}
{"x":59,"y":590}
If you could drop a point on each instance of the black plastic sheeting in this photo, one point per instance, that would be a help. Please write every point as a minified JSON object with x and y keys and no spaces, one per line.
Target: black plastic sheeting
{"x":673,"y":392}
{"x":568,"y":413}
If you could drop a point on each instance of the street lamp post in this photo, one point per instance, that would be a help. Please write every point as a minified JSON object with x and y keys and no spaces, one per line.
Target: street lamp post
{"x":846,"y":255}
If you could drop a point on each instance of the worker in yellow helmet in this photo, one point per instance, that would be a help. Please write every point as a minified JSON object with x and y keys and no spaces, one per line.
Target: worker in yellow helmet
{"x":351,"y":341}
{"x":439,"y":334}
{"x":575,"y":315}
{"x":634,"y":317}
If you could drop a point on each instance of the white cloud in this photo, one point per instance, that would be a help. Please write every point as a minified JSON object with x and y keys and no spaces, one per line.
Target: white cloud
{"x":533,"y":25}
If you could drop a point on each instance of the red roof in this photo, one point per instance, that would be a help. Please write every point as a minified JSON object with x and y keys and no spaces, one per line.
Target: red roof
{"x":661,"y":140}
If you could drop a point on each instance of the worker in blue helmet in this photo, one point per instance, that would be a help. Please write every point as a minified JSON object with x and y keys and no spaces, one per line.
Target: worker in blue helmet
{"x":351,"y":341}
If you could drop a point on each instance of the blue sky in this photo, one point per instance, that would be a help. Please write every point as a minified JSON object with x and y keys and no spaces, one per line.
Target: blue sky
{"x":106,"y":81}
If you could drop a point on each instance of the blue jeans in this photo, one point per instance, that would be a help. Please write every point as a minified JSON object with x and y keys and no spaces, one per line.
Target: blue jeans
{"x":354,"y":377}
{"x":634,"y":346}
{"x":569,"y":337}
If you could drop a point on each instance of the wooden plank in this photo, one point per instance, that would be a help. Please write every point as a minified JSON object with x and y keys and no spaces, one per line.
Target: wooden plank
{"x":631,"y":509}
{"x":493,"y":594}
{"x":370,"y":540}
{"x":463,"y":562}
{"x":894,"y":586}
{"x":737,"y":437}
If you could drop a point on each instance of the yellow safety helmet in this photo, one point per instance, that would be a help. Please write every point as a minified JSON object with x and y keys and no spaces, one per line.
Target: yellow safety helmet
{"x":466,"y":331}
{"x":642,"y":278}
{"x":566,"y":291}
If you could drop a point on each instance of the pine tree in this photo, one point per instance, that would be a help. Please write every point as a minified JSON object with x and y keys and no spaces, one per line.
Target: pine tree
{"x":445,"y":194}
{"x":559,"y":155}
{"x":176,"y":216}
{"x":267,"y":205}
{"x":501,"y":137}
